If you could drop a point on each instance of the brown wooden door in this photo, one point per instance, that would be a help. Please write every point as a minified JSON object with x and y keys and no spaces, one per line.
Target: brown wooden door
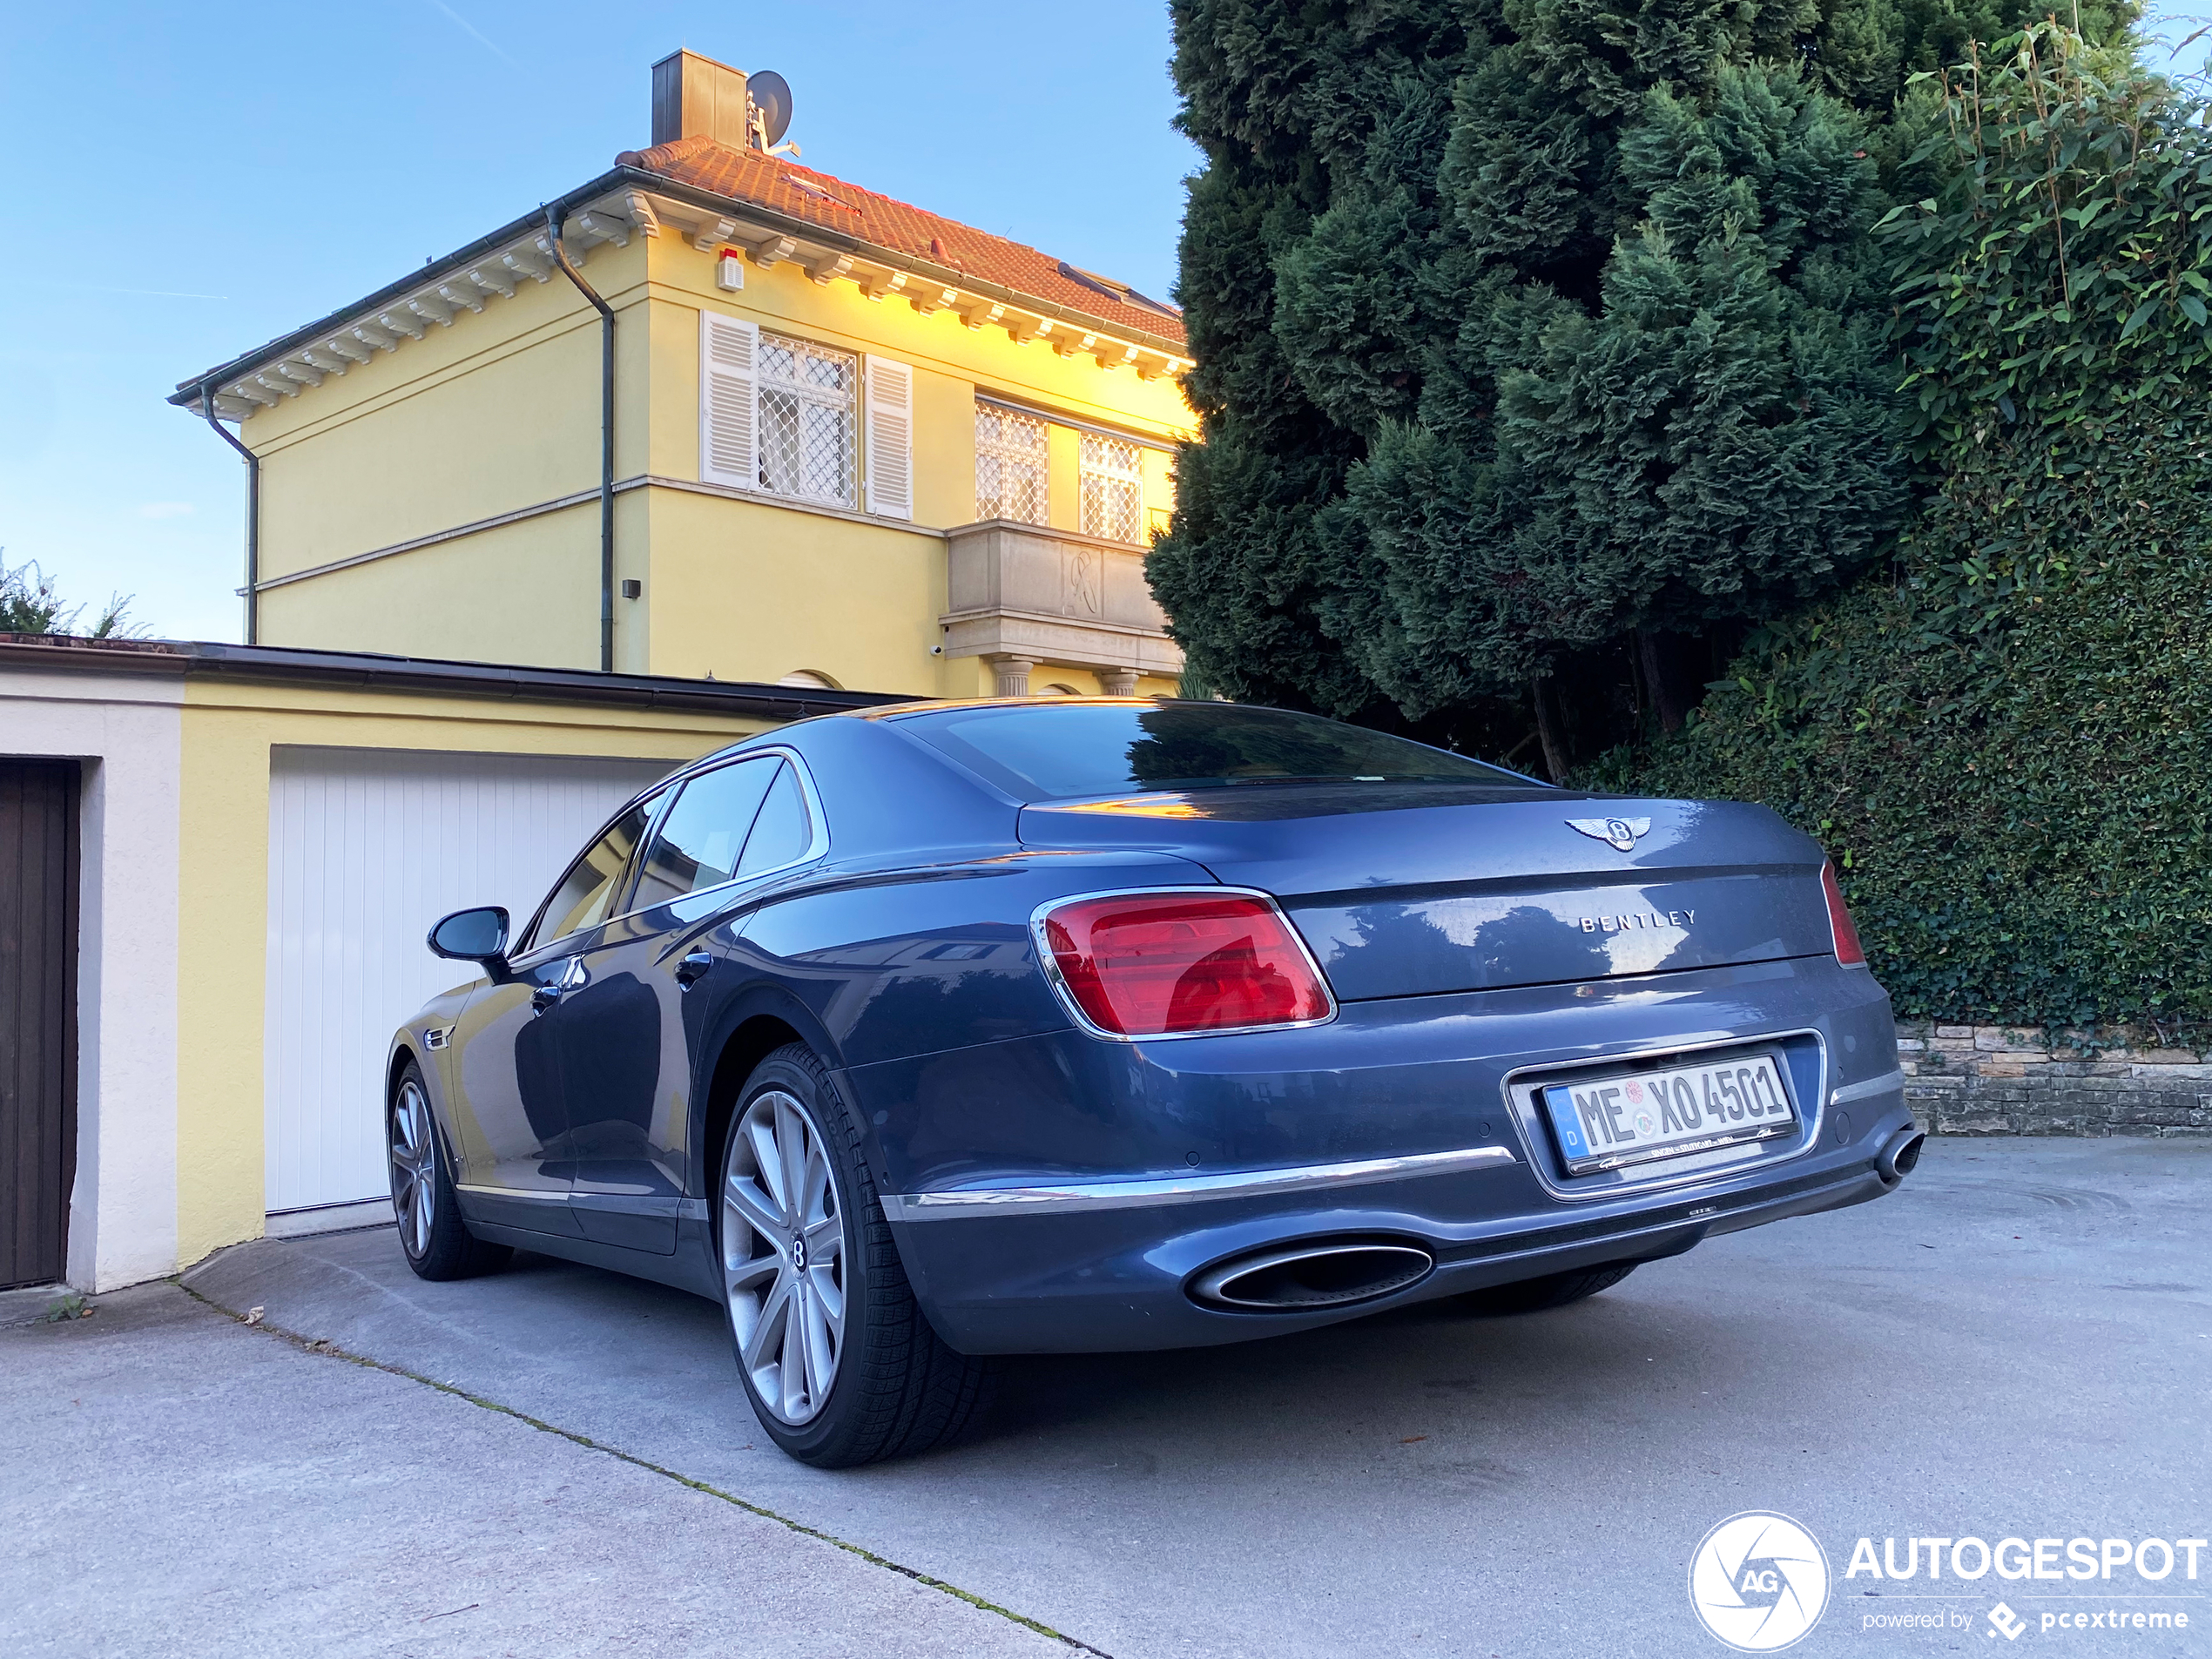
{"x":38,"y":1016}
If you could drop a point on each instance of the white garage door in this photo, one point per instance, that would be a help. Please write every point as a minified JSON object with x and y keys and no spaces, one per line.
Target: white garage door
{"x":366,"y":848}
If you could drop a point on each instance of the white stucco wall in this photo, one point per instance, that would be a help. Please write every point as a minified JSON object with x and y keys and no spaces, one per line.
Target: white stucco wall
{"x":126,"y":729}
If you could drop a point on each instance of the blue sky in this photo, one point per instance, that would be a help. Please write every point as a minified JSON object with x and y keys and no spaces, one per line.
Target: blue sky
{"x":193,"y":180}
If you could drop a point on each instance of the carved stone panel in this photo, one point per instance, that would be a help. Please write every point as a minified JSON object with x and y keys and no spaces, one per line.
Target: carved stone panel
{"x":1026,"y":593}
{"x":1084,"y":586}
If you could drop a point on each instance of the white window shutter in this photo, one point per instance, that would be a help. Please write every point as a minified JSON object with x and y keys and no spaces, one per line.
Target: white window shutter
{"x":890,"y":394}
{"x":729,"y":401}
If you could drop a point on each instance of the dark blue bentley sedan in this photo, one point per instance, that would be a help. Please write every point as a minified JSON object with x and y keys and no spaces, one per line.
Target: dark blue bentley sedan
{"x":942,"y":1031}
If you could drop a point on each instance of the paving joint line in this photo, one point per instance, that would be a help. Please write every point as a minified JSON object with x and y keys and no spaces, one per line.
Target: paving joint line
{"x":324,"y":1348}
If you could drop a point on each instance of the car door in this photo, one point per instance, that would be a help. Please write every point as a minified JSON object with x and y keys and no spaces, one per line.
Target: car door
{"x":510,"y":1107}
{"x":626,"y":1049}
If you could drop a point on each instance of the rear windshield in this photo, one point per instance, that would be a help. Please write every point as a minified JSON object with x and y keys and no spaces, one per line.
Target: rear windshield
{"x":1070,"y":751}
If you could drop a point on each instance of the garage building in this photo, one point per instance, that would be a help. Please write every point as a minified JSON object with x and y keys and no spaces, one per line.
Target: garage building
{"x":217,"y":867}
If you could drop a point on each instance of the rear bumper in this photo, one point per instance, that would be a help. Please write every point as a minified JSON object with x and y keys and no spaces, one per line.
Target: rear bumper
{"x":1114,"y":1280}
{"x":1407,"y":1113}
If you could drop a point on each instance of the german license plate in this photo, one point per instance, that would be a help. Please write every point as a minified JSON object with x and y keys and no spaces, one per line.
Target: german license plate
{"x":1613,"y":1122}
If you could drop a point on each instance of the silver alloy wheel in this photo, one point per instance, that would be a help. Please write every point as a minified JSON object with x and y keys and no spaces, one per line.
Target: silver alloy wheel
{"x":414,"y":1169}
{"x":783,"y":1256}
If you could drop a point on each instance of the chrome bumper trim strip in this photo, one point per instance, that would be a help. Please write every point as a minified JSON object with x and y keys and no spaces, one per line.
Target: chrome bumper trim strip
{"x":1888,"y":1084}
{"x":1130,"y":1195}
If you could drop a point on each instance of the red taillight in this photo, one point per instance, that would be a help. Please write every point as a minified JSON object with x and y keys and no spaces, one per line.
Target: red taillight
{"x":1848,"y":951}
{"x":1156,"y":964}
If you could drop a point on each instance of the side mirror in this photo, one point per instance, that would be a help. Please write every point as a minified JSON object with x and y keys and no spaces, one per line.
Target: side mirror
{"x":478,"y":936}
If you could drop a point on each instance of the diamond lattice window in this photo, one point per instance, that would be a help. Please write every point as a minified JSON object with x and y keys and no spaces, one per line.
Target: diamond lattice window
{"x":1113,"y":489}
{"x":1009,"y":466}
{"x":809,"y":432}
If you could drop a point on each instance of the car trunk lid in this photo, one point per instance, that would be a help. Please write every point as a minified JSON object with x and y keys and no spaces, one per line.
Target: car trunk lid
{"x":1412,"y":889}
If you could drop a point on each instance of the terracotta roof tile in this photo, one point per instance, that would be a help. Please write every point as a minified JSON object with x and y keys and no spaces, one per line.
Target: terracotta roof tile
{"x":816,"y":199}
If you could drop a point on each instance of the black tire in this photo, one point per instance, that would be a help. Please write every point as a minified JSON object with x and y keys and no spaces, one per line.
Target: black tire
{"x":438,"y":1243}
{"x":1551,"y":1291}
{"x":896,"y":1389}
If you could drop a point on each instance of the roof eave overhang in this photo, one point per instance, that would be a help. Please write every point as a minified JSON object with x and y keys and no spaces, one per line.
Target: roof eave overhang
{"x":875,"y":253}
{"x":191,"y":394}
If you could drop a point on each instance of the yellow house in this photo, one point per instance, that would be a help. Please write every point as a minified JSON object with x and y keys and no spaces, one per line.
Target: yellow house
{"x":716,"y":413}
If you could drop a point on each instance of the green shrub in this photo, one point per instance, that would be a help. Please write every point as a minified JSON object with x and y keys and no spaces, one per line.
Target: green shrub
{"x":29,"y":605}
{"x":2021,"y":818}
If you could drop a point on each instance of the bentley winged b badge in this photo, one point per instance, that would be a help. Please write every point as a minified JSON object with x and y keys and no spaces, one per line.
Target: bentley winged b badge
{"x":1621,"y":833}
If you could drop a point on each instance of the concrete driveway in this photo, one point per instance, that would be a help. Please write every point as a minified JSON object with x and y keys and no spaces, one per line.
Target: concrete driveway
{"x":2017,"y":1343}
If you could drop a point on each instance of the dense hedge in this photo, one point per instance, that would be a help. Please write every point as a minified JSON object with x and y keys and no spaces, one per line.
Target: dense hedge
{"x":2022,"y":819}
{"x":2007,"y":744}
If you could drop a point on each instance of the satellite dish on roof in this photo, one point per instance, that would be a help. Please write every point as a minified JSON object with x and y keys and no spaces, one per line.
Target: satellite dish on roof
{"x":769,"y":96}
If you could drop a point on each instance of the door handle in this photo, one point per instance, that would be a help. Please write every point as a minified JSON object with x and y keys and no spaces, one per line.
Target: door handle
{"x":694,"y":967}
{"x":574,"y":977}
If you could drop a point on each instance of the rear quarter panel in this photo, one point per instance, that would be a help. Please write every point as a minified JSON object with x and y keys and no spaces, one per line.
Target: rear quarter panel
{"x":889,"y":964}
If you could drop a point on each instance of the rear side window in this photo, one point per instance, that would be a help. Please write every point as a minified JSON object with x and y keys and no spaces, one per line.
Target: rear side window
{"x":581,"y":899}
{"x":783,"y":831}
{"x":701,"y":840}
{"x":1040,"y":752}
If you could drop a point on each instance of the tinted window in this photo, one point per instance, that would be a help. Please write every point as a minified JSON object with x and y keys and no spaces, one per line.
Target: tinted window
{"x":697,"y":844}
{"x":783,"y":831}
{"x":1043,"y":752}
{"x":589,"y":886}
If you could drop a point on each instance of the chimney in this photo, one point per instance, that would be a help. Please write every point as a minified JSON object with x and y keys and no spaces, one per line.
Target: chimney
{"x":695,"y":97}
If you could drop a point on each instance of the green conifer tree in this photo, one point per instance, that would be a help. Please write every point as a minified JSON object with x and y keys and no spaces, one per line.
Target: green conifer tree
{"x":1523,"y":327}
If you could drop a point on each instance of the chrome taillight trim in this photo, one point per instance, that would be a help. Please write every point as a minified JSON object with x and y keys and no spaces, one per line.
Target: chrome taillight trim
{"x":1831,"y":900}
{"x":1051,"y":964}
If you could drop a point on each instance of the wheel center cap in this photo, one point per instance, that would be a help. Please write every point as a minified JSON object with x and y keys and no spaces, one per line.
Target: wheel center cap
{"x":799,"y":1254}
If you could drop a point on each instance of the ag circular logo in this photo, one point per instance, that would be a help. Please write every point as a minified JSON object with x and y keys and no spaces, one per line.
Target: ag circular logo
{"x":1759,"y":1581}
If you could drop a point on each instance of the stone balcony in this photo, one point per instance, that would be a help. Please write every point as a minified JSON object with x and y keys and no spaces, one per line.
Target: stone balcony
{"x":1023,"y":597}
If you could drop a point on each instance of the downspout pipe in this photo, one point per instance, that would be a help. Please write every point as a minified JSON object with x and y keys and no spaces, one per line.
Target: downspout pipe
{"x":606,"y":440}
{"x":252,"y":512}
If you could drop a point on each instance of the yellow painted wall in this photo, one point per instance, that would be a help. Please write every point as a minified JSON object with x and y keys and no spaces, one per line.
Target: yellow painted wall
{"x":1159,"y":491}
{"x":1063,"y":478}
{"x":973,"y":677}
{"x":228,"y":731}
{"x":497,"y":411}
{"x":750,"y":591}
{"x":525,"y":593}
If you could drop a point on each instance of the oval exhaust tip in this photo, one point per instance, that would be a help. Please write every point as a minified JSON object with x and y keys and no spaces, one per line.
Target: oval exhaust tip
{"x":1902,"y":1154}
{"x":1297,"y":1278}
